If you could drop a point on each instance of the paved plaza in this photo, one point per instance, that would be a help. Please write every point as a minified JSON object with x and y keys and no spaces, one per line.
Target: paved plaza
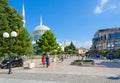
{"x":102,"y":72}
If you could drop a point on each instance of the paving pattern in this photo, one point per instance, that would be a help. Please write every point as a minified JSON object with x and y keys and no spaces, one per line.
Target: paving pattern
{"x":103,"y":72}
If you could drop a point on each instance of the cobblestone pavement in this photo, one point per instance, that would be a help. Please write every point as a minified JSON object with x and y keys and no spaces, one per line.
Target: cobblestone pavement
{"x":103,"y":72}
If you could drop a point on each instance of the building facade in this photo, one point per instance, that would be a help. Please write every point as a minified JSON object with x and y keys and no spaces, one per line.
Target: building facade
{"x":82,"y":50}
{"x":106,"y":39}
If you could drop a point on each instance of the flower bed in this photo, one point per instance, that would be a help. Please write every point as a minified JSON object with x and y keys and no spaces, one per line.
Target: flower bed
{"x":83,"y":62}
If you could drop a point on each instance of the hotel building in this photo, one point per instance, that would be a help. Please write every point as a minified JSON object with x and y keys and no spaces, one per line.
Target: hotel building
{"x":106,"y":39}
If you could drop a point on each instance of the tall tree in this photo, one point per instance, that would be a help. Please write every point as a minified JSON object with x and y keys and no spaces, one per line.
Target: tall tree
{"x":11,"y":20}
{"x":71,"y":49}
{"x":23,"y":43}
{"x":59,"y":50}
{"x":47,"y":42}
{"x":72,"y":46}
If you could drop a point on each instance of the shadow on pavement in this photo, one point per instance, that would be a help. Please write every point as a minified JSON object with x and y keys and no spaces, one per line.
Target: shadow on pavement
{"x":110,"y":64}
{"x":114,"y":77}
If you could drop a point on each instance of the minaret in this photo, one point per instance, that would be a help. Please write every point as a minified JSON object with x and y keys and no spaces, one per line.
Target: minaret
{"x":40,"y":21}
{"x":23,"y":14}
{"x":65,"y":43}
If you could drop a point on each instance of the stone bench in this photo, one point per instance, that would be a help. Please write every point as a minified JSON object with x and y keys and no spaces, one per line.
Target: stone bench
{"x":29,"y":65}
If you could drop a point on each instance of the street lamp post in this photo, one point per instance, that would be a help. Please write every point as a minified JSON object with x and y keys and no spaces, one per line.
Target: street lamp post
{"x":6,"y":35}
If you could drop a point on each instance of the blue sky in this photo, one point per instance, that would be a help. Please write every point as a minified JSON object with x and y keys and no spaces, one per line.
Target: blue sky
{"x":71,"y":20}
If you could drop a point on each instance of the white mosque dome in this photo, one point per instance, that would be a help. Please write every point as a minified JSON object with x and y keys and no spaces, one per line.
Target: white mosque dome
{"x":39,"y":30}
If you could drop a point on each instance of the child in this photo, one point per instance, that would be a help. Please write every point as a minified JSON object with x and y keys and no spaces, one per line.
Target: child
{"x":43,"y":61}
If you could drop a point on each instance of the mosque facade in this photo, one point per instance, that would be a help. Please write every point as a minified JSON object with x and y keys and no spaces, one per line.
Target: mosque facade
{"x":39,"y":30}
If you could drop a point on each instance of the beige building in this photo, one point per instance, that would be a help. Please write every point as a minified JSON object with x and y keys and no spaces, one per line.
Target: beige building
{"x":82,"y":50}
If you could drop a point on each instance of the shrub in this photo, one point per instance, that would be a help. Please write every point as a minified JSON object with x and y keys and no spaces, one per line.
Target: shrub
{"x":83,"y":61}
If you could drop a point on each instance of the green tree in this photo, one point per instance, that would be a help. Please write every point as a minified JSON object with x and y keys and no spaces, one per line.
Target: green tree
{"x":59,"y":50}
{"x":47,"y":42}
{"x":103,"y":52}
{"x":71,"y":49}
{"x":23,"y":44}
{"x":66,"y":49}
{"x":117,"y":53}
{"x":11,"y":20}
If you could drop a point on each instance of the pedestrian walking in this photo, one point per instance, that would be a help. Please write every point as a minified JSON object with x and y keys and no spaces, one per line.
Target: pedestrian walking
{"x":47,"y":61}
{"x":62,"y":58}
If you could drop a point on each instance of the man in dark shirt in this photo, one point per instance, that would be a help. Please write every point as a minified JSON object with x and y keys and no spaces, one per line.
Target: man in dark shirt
{"x":47,"y":61}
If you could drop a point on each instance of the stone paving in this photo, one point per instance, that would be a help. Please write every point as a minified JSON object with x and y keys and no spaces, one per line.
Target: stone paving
{"x":103,"y":72}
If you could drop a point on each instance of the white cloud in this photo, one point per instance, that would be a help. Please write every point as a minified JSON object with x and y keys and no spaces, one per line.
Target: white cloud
{"x":100,"y":6}
{"x":105,"y":5}
{"x":98,"y":10}
{"x":103,"y":2}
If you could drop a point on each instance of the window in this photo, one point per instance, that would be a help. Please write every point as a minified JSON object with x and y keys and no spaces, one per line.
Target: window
{"x":118,"y":35}
{"x":110,"y":41}
{"x":36,"y":37}
{"x":111,"y":36}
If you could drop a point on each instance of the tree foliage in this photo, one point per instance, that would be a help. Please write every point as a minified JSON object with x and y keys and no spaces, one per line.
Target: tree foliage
{"x":71,"y":49}
{"x":23,"y":43}
{"x":47,"y":42}
{"x":11,"y":20}
{"x":117,"y":53}
{"x":57,"y":51}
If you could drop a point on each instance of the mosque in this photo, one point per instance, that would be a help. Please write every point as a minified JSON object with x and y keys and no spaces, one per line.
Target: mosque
{"x":39,"y":30}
